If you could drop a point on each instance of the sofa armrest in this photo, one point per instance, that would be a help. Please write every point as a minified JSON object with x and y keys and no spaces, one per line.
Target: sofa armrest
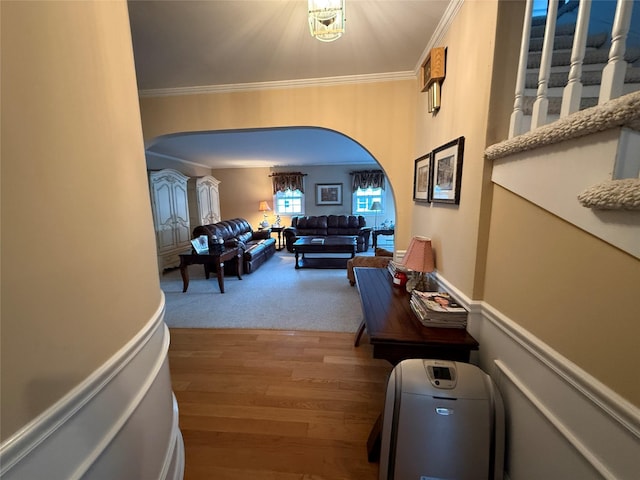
{"x":290,"y":235}
{"x":261,"y":234}
{"x":365,"y":233}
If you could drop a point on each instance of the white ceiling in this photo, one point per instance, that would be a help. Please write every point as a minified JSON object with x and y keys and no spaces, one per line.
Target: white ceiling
{"x":217,"y":45}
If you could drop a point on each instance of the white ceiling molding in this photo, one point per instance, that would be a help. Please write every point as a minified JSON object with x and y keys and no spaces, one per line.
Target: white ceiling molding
{"x":307,"y":82}
{"x":442,"y":28}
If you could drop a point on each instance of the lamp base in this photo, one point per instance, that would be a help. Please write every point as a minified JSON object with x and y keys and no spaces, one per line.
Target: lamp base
{"x":421,"y":282}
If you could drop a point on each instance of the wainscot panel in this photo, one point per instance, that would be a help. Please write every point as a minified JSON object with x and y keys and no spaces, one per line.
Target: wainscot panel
{"x":121,"y":422}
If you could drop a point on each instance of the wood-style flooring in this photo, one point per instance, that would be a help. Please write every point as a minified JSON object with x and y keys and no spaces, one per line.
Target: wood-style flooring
{"x":270,"y":404}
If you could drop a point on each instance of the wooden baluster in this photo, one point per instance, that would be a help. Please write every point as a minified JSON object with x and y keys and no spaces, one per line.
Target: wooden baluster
{"x":572,"y":93}
{"x":615,"y":70}
{"x":515,"y":124}
{"x":541,"y":105}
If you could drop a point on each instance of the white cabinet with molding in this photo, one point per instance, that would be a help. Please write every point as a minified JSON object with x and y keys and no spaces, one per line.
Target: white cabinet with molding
{"x":170,"y":206}
{"x":207,"y":200}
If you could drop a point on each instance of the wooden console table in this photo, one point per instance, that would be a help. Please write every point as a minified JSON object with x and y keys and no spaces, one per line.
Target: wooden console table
{"x":210,"y":260}
{"x":396,"y":333}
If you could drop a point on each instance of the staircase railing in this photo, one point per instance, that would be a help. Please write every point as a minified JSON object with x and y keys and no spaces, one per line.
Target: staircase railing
{"x":613,"y":74}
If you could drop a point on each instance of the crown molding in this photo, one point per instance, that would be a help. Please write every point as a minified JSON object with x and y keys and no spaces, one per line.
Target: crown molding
{"x":175,"y":159}
{"x":442,"y":28}
{"x":282,"y":84}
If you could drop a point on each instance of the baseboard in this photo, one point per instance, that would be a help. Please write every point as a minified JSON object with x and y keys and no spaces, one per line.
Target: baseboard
{"x":561,"y":422}
{"x":121,"y":422}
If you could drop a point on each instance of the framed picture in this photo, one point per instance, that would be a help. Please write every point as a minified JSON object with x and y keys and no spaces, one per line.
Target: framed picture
{"x":447,"y":172}
{"x":422,"y":178}
{"x":328,"y":194}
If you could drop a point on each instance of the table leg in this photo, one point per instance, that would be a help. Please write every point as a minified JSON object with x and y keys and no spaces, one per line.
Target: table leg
{"x":374,"y":442}
{"x":239,"y":264}
{"x":375,"y":240}
{"x":184,"y":272}
{"x":359,"y":333}
{"x":220,"y":274}
{"x":297,"y":266}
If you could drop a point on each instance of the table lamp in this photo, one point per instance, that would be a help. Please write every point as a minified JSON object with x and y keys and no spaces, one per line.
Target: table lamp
{"x":376,"y":206}
{"x":419,"y":258}
{"x":264,"y":207}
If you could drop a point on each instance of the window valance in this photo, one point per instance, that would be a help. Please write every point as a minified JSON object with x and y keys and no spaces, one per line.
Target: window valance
{"x":287,"y":181}
{"x":368,"y":179}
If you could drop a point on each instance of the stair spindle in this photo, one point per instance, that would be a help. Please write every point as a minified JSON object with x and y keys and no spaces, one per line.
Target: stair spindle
{"x":541,"y":105}
{"x":615,"y":70}
{"x":515,"y":124}
{"x":572,"y":93}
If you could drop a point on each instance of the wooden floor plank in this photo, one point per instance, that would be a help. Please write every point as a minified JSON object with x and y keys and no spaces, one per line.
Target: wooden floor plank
{"x":275,"y":405}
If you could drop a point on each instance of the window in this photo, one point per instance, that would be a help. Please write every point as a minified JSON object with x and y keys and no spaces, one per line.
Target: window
{"x":363,"y":198}
{"x":289,"y":202}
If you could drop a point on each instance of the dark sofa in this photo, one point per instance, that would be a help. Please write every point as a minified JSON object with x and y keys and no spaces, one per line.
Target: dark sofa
{"x":325,"y":225}
{"x":258,"y":246}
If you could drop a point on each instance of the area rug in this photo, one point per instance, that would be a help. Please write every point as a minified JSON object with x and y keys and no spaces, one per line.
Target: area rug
{"x":275,"y":296}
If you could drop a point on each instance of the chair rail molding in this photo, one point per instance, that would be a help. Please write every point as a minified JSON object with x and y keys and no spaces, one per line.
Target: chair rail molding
{"x":547,"y":399}
{"x":120,"y":422}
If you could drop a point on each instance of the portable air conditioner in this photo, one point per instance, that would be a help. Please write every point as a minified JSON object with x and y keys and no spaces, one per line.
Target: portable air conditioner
{"x":443,"y":420}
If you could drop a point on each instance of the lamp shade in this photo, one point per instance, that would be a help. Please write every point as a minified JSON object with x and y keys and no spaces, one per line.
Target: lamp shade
{"x":264,"y":206}
{"x":419,"y":256}
{"x":376,"y":206}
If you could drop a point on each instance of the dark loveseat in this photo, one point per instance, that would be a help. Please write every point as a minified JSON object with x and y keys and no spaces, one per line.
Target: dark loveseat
{"x":325,"y":225}
{"x":258,"y":246}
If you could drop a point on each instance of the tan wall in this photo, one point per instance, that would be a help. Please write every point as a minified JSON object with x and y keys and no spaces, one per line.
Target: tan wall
{"x":235,"y":180}
{"x":573,"y":291}
{"x":454,"y":230}
{"x":79,"y":275}
{"x":379,"y":116}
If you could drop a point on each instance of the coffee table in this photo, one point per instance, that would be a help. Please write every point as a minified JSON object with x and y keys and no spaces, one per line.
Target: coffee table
{"x":210,"y":260}
{"x":332,"y":244}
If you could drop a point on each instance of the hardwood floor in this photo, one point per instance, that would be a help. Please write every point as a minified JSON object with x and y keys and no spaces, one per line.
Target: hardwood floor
{"x":269,"y":404}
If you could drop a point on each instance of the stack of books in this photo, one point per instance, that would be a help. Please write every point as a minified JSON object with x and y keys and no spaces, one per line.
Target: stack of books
{"x":394,"y":267}
{"x":438,"y":309}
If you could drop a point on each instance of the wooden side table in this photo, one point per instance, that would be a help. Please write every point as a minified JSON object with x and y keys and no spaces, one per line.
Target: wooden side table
{"x":381,"y":231}
{"x":279,"y":231}
{"x":210,"y":260}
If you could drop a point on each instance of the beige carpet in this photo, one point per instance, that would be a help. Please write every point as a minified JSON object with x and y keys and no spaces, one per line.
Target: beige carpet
{"x":275,"y":296}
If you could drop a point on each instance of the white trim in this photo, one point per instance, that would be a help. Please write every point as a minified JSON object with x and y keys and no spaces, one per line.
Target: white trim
{"x":92,"y":428}
{"x":600,"y":395}
{"x":553,"y":176}
{"x":277,"y":85}
{"x":176,"y":159}
{"x":556,"y":422}
{"x":441,"y":29}
{"x":591,"y":428}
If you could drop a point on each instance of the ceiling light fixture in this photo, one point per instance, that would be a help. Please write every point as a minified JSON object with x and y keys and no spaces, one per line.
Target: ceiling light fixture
{"x":326,"y":19}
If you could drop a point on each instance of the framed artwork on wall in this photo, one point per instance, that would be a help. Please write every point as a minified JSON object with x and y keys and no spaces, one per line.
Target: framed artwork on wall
{"x":446,"y":170}
{"x":328,"y":194}
{"x":422,"y":178}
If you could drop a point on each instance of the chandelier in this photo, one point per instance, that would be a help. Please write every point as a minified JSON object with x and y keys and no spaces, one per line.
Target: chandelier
{"x":326,"y":19}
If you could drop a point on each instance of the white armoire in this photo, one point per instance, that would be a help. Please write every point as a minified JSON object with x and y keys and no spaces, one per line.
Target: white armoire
{"x":205,"y":195}
{"x":170,"y":206}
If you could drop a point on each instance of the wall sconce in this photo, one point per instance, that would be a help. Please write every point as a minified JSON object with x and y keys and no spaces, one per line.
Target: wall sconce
{"x":433,"y":73}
